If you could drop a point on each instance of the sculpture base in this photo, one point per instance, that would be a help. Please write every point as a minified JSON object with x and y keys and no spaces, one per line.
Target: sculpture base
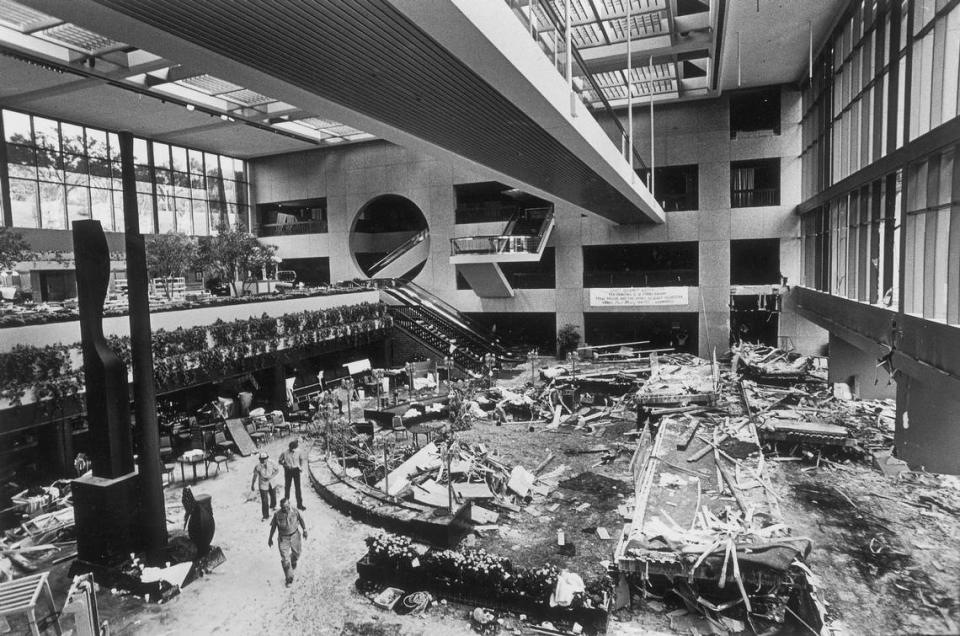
{"x":107,"y":516}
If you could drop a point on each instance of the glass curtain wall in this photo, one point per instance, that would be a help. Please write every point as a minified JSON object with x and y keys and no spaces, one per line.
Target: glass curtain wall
{"x":889,"y":75}
{"x":61,"y":172}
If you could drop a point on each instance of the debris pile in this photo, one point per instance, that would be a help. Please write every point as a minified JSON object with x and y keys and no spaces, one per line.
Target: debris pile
{"x":450,"y":474}
{"x":44,"y":534}
{"x":802,"y":415}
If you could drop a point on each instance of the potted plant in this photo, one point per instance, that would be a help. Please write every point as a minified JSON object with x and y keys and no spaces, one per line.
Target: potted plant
{"x":568,"y":339}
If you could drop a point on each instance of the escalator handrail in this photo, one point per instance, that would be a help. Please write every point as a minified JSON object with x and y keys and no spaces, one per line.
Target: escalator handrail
{"x":468,"y":322}
{"x":398,"y":251}
{"x":463,"y":328}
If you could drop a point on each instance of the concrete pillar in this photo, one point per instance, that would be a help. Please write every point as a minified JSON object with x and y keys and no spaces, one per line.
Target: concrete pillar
{"x":928,"y":427}
{"x":858,"y":369}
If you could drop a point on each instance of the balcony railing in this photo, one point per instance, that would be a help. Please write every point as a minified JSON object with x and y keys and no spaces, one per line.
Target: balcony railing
{"x":299,"y":227}
{"x":504,"y":243}
{"x":755,"y":197}
{"x":652,"y":278}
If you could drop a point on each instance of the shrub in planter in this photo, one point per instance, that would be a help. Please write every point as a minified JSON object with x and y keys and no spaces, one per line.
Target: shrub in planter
{"x":568,"y":339}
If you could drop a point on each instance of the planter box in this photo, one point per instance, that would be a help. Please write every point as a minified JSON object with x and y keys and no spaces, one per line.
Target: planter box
{"x":593,"y":620}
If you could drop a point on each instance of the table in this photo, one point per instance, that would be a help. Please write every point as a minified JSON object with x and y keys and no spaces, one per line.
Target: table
{"x":183,"y":461}
{"x":20,"y":596}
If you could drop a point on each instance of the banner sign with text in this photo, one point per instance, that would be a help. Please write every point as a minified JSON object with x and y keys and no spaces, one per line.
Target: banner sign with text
{"x":638,"y":296}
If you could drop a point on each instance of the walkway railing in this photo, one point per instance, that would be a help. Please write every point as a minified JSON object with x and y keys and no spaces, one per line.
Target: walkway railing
{"x":557,"y":23}
{"x":299,"y":227}
{"x":505,"y":243}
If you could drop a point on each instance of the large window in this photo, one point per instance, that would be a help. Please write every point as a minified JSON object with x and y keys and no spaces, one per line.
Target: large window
{"x":61,"y":172}
{"x":678,"y":331}
{"x":889,"y":73}
{"x":932,"y":234}
{"x":754,"y":183}
{"x":308,"y":216}
{"x":491,"y":202}
{"x":755,"y":112}
{"x":641,"y":265}
{"x":851,"y":244}
{"x":530,"y":330}
{"x":755,"y":262}
{"x":675,"y":187}
{"x":313,"y":271}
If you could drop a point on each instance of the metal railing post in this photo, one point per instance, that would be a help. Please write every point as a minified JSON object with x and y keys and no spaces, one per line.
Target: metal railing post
{"x":630,"y":86}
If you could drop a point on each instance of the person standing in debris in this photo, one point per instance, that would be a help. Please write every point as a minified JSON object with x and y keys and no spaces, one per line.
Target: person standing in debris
{"x":287,"y":522}
{"x":263,"y":475}
{"x":293,"y":461}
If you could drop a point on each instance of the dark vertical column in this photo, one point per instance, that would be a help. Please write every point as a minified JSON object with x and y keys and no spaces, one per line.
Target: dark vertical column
{"x":154,"y":517}
{"x":4,"y":179}
{"x":279,"y":386}
{"x":893,"y":77}
{"x":895,"y":19}
{"x":153,"y":193}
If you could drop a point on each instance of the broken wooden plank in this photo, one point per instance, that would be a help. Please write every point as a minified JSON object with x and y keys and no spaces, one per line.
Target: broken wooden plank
{"x":542,"y":465}
{"x":706,"y":449}
{"x":687,"y":435}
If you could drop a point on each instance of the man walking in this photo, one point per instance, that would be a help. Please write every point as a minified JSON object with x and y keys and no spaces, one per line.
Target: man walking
{"x":287,"y":522}
{"x":293,"y":461}
{"x":263,"y":474}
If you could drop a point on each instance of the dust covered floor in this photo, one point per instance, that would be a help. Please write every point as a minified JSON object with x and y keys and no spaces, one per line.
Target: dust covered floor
{"x":246,"y":594}
{"x":886,"y":549}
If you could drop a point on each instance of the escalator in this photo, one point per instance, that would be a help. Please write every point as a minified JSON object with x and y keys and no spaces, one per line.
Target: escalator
{"x":404,"y":259}
{"x":440,"y":326}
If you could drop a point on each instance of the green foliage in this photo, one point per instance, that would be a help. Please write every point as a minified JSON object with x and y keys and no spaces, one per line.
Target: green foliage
{"x":568,"y":339}
{"x":49,"y":370}
{"x":13,"y":248}
{"x":235,"y":255}
{"x":170,"y":255}
{"x":189,"y":356}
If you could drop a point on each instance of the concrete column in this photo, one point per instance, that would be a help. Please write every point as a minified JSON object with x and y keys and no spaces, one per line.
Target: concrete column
{"x":928,"y":427}
{"x":858,"y":369}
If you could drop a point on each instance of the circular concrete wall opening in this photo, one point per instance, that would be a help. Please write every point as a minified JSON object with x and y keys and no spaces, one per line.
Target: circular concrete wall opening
{"x":390,"y":238}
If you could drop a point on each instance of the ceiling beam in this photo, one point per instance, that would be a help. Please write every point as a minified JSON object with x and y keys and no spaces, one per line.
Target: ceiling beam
{"x":600,"y":59}
{"x":22,"y":100}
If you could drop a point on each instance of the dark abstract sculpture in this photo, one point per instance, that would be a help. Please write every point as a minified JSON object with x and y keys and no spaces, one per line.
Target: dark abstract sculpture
{"x":107,"y":397}
{"x":198,"y":520}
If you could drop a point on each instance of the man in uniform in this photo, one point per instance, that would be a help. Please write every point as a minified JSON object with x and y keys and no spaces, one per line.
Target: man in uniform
{"x":287,"y":523}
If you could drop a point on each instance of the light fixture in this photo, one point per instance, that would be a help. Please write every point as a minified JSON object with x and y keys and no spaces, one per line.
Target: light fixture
{"x":224,"y":118}
{"x":191,"y":107}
